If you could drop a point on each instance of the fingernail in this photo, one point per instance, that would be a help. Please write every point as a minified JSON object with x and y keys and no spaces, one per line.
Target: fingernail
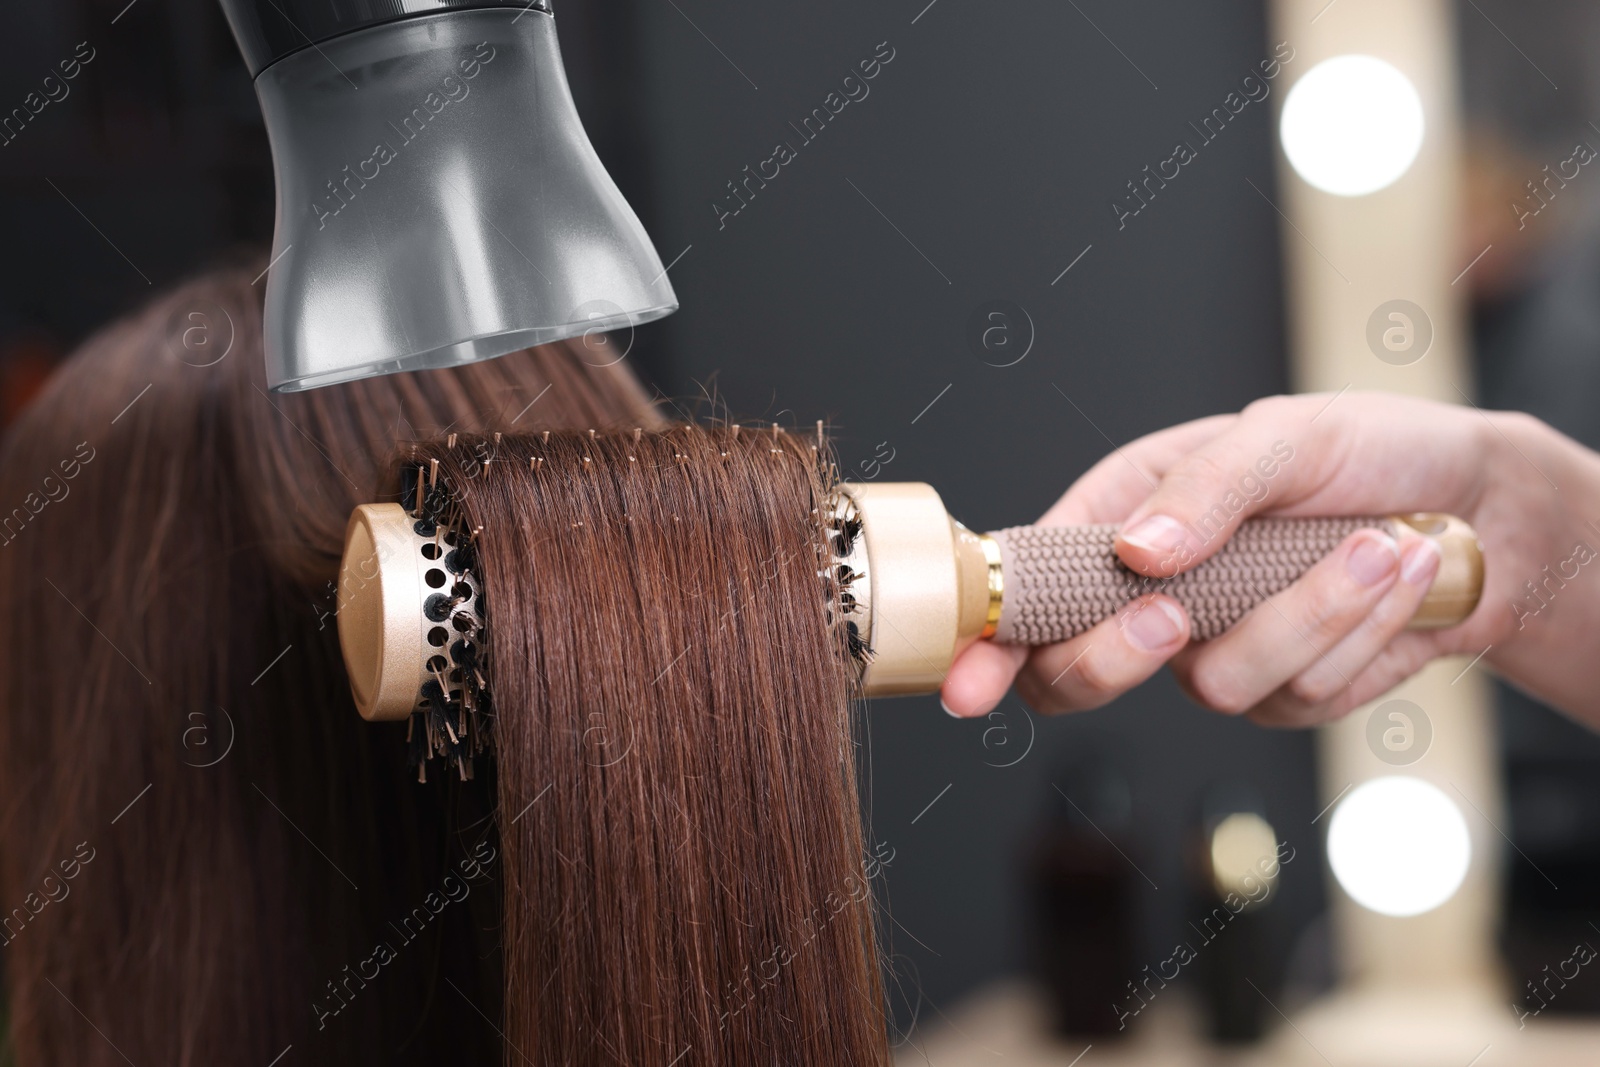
{"x":1158,"y":533}
{"x":1154,"y":626}
{"x":947,"y":710}
{"x":1421,"y":562}
{"x":1373,"y":559}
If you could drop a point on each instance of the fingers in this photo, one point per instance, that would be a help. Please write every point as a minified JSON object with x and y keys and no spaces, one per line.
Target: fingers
{"x":1183,"y":492}
{"x":1328,"y":643}
{"x":1295,"y":659}
{"x":979,"y":677}
{"x":1402,"y":657}
{"x":1104,"y":662}
{"x":1419,"y":562}
{"x":1207,"y":493}
{"x":1090,"y":670}
{"x":1293,"y":629}
{"x":1113,"y":487}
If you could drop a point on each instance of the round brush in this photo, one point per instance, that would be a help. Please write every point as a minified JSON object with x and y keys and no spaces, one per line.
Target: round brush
{"x":910,"y":586}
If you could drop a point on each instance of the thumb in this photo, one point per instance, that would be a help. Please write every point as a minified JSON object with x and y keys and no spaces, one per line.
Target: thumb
{"x":1204,"y":498}
{"x":980,"y":676}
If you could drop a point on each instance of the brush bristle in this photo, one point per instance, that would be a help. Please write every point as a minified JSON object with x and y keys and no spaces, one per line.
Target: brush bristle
{"x":453,"y":723}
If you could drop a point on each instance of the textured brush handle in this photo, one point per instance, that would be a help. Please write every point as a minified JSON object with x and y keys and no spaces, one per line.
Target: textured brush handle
{"x":1062,"y":580}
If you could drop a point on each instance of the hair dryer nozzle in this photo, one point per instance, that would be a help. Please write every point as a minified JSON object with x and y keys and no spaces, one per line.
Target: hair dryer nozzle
{"x":439,"y":202}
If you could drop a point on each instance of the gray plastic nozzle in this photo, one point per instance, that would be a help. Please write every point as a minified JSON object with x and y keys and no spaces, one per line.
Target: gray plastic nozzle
{"x":438,"y":200}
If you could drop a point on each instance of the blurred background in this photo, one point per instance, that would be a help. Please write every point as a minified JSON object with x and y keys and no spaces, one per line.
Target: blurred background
{"x":1042,"y":870}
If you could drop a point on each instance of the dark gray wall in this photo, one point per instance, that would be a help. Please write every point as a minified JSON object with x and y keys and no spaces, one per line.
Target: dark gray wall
{"x":990,"y":149}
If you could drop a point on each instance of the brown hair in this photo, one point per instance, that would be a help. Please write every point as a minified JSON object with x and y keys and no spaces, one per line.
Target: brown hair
{"x":201,"y":844}
{"x":206,"y":856}
{"x":683,"y":867}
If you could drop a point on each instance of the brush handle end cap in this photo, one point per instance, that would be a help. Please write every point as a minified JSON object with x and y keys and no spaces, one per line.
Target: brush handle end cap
{"x":1458,"y":586}
{"x":380,"y":587}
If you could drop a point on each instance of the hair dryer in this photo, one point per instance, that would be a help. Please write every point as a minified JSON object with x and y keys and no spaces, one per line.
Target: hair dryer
{"x":438,"y":201}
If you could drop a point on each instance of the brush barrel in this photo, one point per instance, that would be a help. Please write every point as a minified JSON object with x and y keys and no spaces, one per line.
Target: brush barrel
{"x":1062,"y":580}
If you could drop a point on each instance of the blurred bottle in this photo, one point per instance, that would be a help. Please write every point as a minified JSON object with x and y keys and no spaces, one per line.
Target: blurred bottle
{"x":1233,"y":867}
{"x":1081,"y":891}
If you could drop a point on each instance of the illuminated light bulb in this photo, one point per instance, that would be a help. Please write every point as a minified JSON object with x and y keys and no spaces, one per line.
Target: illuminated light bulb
{"x":1351,"y":125}
{"x":1398,"y":846}
{"x":1244,"y":856}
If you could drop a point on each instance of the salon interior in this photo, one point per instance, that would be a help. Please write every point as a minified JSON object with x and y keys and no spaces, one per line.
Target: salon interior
{"x":990,"y":244}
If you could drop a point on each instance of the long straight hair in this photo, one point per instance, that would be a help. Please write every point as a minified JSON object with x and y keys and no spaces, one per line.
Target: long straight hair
{"x":202,"y":846}
{"x":683,"y":864}
{"x":207,"y":857}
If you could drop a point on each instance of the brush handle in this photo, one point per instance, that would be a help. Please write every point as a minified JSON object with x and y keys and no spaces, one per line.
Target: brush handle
{"x":1061,"y":580}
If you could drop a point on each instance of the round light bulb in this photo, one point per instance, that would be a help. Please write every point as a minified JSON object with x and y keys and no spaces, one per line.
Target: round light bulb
{"x":1244,"y":856}
{"x":1351,"y":125}
{"x":1399,"y":846}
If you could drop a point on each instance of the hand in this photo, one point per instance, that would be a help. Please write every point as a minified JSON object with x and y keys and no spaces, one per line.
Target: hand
{"x":1336,"y":638}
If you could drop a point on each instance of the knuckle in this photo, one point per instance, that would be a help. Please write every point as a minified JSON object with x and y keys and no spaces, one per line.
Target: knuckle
{"x":1322,"y":606}
{"x":1198,"y":475}
{"x":1038,"y":696}
{"x":1520,"y":421}
{"x":1486,"y":436}
{"x":1269,"y":408}
{"x":1215,"y":688}
{"x":1390,"y":616}
{"x":1093,"y":675}
{"x":1312,"y":688}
